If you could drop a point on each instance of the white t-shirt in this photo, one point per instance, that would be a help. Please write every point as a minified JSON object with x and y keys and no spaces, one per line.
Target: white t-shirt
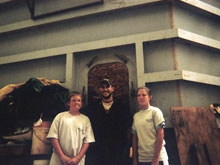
{"x":107,"y":106}
{"x":145,"y":125}
{"x":72,"y":132}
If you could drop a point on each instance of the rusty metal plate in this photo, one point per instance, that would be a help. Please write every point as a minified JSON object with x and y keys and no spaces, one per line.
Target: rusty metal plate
{"x":197,"y":135}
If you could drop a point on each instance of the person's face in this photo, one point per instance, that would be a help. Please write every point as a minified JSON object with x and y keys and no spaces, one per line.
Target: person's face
{"x":106,"y":90}
{"x":75,"y":102}
{"x":143,"y":98}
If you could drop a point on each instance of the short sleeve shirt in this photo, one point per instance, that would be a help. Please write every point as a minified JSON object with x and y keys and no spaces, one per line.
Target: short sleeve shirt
{"x":145,"y":125}
{"x":72,"y":132}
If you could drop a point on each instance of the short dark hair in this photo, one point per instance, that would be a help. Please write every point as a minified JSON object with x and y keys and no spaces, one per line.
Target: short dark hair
{"x":73,"y":93}
{"x":146,"y":89}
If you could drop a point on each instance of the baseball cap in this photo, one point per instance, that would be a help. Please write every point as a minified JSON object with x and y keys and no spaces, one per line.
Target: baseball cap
{"x":106,"y":81}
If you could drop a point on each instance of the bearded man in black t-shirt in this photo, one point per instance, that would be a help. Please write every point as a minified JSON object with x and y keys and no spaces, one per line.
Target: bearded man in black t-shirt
{"x":111,"y":122}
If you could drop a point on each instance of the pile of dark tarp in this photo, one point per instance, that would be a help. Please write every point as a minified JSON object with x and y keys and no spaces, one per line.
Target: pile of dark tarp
{"x":28,"y":103}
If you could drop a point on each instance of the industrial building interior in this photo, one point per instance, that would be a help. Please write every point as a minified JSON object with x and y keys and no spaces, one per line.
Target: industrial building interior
{"x":170,"y":46}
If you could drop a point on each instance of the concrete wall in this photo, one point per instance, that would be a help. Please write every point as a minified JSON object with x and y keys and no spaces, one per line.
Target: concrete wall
{"x":91,"y":28}
{"x":14,"y":12}
{"x":158,"y":56}
{"x":199,"y":95}
{"x":197,"y":58}
{"x":53,"y":68}
{"x":197,"y":22}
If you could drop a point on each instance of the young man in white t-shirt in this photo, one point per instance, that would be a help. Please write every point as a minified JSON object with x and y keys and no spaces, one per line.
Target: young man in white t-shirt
{"x":70,"y":134}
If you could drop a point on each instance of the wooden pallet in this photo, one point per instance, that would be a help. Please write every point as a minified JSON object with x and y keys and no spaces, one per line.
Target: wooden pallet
{"x":197,"y":135}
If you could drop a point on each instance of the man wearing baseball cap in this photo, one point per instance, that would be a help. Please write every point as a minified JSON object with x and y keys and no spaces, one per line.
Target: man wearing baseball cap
{"x":111,"y":121}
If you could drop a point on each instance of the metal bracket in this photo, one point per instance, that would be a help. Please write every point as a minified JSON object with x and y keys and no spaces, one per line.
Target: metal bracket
{"x":122,"y":58}
{"x":90,"y":63}
{"x":31,"y":7}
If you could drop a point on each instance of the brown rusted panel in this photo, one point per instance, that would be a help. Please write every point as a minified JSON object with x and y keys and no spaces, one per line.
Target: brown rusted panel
{"x":117,"y":73}
{"x":197,"y":135}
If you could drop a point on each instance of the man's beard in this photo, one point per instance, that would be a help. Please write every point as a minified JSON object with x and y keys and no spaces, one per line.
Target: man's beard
{"x":107,"y":97}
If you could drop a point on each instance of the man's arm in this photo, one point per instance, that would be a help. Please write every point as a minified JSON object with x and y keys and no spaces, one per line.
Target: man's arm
{"x":59,"y":151}
{"x":158,"y":146}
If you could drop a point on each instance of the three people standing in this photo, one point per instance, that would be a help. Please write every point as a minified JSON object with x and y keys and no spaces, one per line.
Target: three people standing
{"x":111,"y":123}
